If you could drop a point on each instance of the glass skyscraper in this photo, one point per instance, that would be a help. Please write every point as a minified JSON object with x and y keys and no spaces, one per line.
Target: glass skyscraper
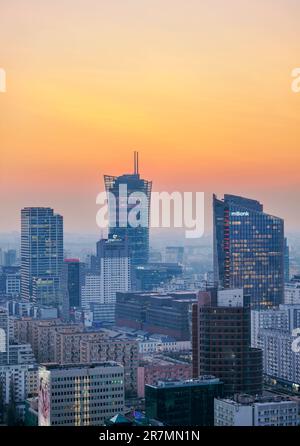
{"x":137,"y":237}
{"x":248,"y":250}
{"x":41,"y":254}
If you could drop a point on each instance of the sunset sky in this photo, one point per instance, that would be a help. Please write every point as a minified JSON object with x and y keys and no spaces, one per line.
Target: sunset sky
{"x":201,"y":88}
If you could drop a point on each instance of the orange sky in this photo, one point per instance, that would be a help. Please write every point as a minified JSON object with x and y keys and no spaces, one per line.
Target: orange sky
{"x":201,"y":88}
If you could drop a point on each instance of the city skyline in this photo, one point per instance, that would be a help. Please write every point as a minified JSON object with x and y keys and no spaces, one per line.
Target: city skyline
{"x":203,"y":91}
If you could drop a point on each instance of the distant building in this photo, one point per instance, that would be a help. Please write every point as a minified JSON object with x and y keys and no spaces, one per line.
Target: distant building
{"x":292,"y":291}
{"x":168,"y":314}
{"x":183,"y":403}
{"x":137,"y":237}
{"x":155,"y":369}
{"x":272,"y":332}
{"x":74,"y":276}
{"x":174,"y":254}
{"x":10,"y":257}
{"x":154,"y":276}
{"x":285,"y":318}
{"x":91,"y":291}
{"x":80,"y":395}
{"x":248,"y":411}
{"x":122,"y":351}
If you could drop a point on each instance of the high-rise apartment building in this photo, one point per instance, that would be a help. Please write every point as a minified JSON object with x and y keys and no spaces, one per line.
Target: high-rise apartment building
{"x":221,"y":342}
{"x":80,"y":394}
{"x":41,"y":254}
{"x":119,"y":189}
{"x":248,"y":250}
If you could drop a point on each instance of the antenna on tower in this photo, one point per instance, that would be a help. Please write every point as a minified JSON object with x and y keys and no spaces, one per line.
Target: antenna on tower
{"x":137,"y":163}
{"x":134,"y":158}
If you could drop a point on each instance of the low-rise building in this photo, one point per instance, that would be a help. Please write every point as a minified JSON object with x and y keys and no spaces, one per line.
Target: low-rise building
{"x":245,"y":410}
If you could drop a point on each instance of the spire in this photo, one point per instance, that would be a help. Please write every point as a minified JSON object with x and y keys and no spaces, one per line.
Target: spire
{"x":136,"y":162}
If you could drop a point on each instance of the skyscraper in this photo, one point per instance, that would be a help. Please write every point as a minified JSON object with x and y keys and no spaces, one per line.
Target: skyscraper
{"x":41,"y":254}
{"x":138,"y":237}
{"x":248,"y":249}
{"x":221,"y":342}
{"x":115,"y":272}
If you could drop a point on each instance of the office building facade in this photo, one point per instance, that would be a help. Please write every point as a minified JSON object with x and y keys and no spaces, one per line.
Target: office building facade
{"x":221,"y":342}
{"x":119,"y":189}
{"x":249,"y":250}
{"x":41,"y":254}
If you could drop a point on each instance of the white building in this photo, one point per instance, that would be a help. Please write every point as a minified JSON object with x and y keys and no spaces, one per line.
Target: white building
{"x":292,"y":291}
{"x":231,"y":298}
{"x":285,"y":319}
{"x":248,"y":411}
{"x":80,"y":395}
{"x":20,"y":378}
{"x":91,"y":291}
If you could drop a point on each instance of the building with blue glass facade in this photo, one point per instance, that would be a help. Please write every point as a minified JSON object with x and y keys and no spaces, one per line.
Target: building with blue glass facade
{"x":41,"y":254}
{"x":119,"y":189}
{"x":249,"y":250}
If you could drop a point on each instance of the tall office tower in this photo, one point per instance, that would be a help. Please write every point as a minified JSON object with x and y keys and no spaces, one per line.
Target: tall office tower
{"x":41,"y":254}
{"x":286,"y":261}
{"x":80,"y":395}
{"x":74,"y":276}
{"x":121,"y":188}
{"x":115,"y":272}
{"x":248,"y":250}
{"x":221,"y":342}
